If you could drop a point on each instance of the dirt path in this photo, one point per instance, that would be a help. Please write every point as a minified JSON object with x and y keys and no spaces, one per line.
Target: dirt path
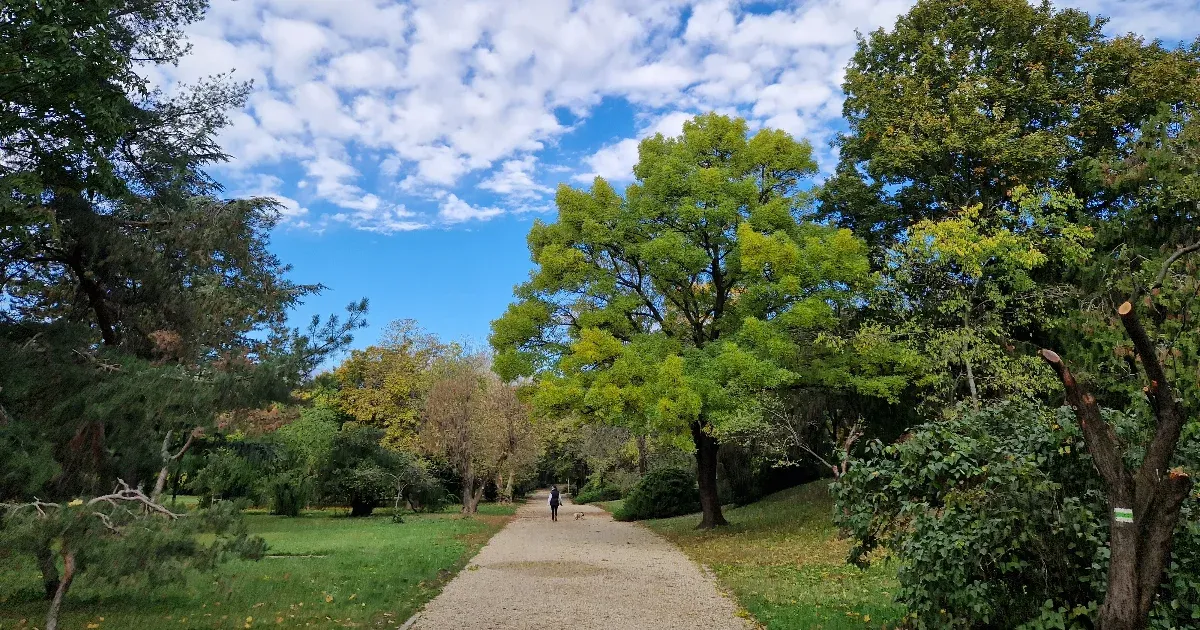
{"x":588,"y":574}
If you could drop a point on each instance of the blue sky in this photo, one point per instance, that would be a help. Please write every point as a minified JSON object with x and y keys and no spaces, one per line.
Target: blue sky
{"x":413,"y":143}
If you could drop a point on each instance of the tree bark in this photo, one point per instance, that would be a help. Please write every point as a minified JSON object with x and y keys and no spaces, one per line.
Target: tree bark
{"x":706,"y":477}
{"x":475,"y":498}
{"x":160,"y":484}
{"x":507,"y":495}
{"x":61,"y":591}
{"x":49,"y":569}
{"x":971,"y":383}
{"x":1138,"y":551}
{"x":643,"y":463}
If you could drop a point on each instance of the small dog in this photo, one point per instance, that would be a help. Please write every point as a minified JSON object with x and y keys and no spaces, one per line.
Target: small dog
{"x":578,"y":515}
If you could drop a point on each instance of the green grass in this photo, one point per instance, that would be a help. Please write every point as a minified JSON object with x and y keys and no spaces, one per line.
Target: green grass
{"x":610,"y":506}
{"x":362,"y":572}
{"x":783,"y":561}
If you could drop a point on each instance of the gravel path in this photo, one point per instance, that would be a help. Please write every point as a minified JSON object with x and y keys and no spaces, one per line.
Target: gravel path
{"x":588,"y":574}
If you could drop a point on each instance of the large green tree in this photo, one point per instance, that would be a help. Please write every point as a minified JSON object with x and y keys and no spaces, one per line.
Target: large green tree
{"x":664,"y":306}
{"x":964,"y":100}
{"x":136,"y":305}
{"x":951,"y":113}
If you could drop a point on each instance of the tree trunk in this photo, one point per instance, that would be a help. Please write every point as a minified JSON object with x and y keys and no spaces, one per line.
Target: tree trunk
{"x":167,"y":459}
{"x":706,"y":477}
{"x":474,"y":499}
{"x":468,"y":489}
{"x":61,"y":591}
{"x":49,"y":569}
{"x":1149,"y":498}
{"x":643,"y":463}
{"x":508,"y":489}
{"x":971,"y":383}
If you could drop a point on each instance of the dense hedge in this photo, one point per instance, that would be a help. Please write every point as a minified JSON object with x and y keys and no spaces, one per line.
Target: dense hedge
{"x":661,"y":493}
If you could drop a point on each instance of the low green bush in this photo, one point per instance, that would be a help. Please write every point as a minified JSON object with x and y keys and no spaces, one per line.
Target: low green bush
{"x":661,"y":493}
{"x":289,"y":492}
{"x":594,"y":491}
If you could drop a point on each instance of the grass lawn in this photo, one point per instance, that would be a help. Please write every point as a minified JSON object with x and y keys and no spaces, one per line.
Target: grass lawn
{"x":782,"y":559}
{"x":329,"y":571}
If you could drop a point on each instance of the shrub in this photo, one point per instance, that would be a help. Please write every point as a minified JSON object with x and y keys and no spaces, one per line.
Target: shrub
{"x":289,"y":493}
{"x":362,"y":473}
{"x":661,"y":493}
{"x":997,"y":520}
{"x":597,"y":490}
{"x":228,"y":475}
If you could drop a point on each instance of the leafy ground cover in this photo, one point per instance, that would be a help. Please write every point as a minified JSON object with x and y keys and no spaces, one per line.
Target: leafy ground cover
{"x":784,"y":562}
{"x":323,"y":571}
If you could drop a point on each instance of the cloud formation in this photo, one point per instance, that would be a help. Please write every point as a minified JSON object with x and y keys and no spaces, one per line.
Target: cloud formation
{"x":375,"y":106}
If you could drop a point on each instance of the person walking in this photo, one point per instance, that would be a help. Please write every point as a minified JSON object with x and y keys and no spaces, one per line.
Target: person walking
{"x":554,"y":503}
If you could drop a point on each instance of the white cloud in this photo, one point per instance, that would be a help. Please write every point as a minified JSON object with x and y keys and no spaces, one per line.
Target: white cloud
{"x":295,"y":45}
{"x":455,"y":210}
{"x":434,"y":91}
{"x":613,"y":162}
{"x":514,"y":178}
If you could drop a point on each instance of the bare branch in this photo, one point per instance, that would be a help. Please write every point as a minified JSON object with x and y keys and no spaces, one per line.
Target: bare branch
{"x":1166,"y":409}
{"x":1100,"y":437}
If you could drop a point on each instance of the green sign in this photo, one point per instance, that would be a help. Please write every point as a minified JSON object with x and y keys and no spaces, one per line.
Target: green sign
{"x":1123,"y":515}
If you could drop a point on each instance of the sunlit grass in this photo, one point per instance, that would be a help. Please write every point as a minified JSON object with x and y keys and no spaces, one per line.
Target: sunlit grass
{"x":324,"y":571}
{"x":782,"y":559}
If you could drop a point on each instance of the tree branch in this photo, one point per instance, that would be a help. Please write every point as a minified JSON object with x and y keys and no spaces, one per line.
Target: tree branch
{"x":1166,"y":268}
{"x":1100,"y":437}
{"x":1166,"y":408}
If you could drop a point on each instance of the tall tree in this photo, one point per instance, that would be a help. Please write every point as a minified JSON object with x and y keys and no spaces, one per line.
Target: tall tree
{"x":136,"y":306}
{"x":964,"y":100}
{"x":1150,"y":292}
{"x":636,"y":305}
{"x":478,"y":424}
{"x":384,"y":385}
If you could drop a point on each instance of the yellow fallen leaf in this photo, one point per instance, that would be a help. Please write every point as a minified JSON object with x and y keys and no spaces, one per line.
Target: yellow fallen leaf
{"x":867,"y":618}
{"x":353,"y":595}
{"x":328,"y":598}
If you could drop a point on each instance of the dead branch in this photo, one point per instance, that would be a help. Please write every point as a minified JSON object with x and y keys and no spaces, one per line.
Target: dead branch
{"x":133,"y":495}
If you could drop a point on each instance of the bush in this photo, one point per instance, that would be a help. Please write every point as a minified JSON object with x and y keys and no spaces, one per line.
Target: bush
{"x":597,"y":490}
{"x":661,"y":493}
{"x":997,"y":520}
{"x":228,"y":475}
{"x":362,"y":473}
{"x":289,"y":493}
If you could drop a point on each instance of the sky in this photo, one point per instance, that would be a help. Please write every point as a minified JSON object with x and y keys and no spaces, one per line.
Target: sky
{"x":413,"y":143}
